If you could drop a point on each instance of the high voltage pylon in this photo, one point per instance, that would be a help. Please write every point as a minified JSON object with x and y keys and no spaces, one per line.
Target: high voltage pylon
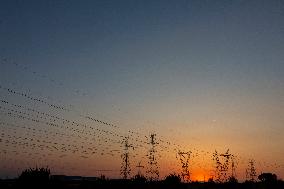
{"x":233,"y":166}
{"x":251,"y":171}
{"x":53,"y":121}
{"x":153,"y":169}
{"x":125,"y":167}
{"x":139,"y":166}
{"x":184,"y":159}
{"x":222,"y":165}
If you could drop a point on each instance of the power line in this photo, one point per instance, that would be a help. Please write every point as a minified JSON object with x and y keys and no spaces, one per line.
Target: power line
{"x":61,"y":108}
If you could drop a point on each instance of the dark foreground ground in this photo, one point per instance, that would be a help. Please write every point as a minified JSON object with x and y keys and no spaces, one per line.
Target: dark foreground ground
{"x":122,"y":184}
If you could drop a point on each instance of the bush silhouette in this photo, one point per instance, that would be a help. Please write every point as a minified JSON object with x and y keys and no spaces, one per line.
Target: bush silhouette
{"x":172,"y":179}
{"x":211,"y":180}
{"x":35,"y":175}
{"x":267,"y":177}
{"x":139,"y":179}
{"x":232,"y":180}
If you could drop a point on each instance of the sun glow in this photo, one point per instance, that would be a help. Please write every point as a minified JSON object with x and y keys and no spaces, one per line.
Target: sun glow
{"x":200,"y":176}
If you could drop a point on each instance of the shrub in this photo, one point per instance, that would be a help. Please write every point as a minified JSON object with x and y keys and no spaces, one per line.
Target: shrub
{"x":172,"y":179}
{"x":35,"y":175}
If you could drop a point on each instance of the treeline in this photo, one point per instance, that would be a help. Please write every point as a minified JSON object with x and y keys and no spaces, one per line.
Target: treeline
{"x":41,"y":178}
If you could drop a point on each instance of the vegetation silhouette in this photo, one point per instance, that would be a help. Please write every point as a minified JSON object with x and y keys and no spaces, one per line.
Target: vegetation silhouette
{"x":268,"y":178}
{"x":139,"y":179}
{"x":34,"y":178}
{"x":42,"y":178}
{"x":232,"y":180}
{"x":35,"y":174}
{"x":172,"y":179}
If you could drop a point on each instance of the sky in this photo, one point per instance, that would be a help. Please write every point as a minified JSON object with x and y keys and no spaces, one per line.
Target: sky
{"x":202,"y":75}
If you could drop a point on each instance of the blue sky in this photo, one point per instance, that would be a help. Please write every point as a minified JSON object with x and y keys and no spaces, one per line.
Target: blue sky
{"x":176,"y":67}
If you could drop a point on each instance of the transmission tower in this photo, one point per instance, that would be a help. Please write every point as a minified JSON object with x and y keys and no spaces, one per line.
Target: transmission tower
{"x":153,"y":169}
{"x":251,"y":171}
{"x":234,"y":164}
{"x":125,"y":167}
{"x":222,"y":162}
{"x":184,"y":159}
{"x":139,"y":166}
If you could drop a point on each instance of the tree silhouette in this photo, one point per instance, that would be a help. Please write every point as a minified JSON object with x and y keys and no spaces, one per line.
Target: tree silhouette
{"x":172,"y":179}
{"x":232,"y":179}
{"x":267,"y":177}
{"x":139,"y":179}
{"x":35,"y":175}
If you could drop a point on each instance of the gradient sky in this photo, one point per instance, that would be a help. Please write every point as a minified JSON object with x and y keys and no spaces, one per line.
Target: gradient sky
{"x":203,"y":74}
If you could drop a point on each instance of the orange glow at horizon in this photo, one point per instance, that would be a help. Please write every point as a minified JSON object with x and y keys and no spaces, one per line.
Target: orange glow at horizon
{"x":200,"y":176}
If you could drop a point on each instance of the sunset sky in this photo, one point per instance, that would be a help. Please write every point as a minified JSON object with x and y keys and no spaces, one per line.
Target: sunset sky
{"x":201,"y":74}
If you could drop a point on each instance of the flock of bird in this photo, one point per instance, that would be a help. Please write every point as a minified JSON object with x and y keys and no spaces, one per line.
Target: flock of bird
{"x":75,"y":137}
{"x":53,"y":136}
